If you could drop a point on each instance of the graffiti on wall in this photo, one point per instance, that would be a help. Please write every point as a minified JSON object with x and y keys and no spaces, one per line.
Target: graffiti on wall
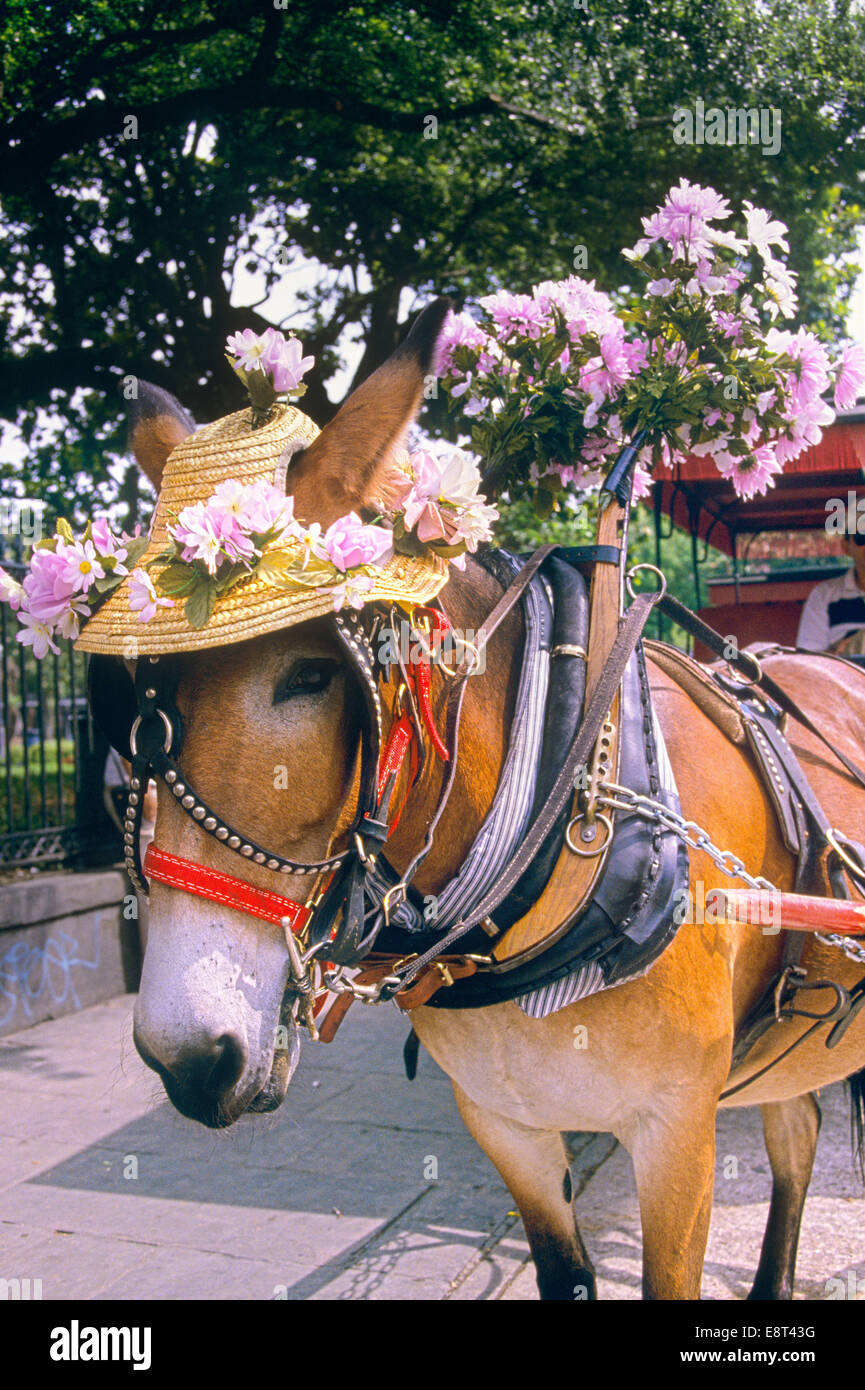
{"x":32,"y":974}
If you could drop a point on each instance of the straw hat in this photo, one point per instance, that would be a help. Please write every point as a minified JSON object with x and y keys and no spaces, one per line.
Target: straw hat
{"x":231,"y":448}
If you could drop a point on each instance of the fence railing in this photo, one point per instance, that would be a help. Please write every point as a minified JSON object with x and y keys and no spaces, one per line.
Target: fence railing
{"x":51,"y":756}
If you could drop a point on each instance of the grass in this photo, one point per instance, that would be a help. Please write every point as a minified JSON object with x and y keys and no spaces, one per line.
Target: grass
{"x":27,"y":777}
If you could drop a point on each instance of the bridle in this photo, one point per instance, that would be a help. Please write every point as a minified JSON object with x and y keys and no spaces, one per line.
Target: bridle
{"x":155,"y":741}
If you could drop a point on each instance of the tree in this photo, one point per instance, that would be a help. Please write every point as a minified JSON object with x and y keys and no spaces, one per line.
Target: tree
{"x":153,"y":150}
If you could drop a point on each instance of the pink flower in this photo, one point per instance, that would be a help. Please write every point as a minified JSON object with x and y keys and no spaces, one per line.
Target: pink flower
{"x":249,"y":348}
{"x":444,"y":503}
{"x":851,"y":376}
{"x":642,"y":482}
{"x":284,"y":362}
{"x":79,"y":566}
{"x":349,"y":543}
{"x":107,"y":544}
{"x":750,"y":473}
{"x":35,"y":634}
{"x":691,"y":199}
{"x":460,"y":330}
{"x":514,"y":312}
{"x":197,"y":531}
{"x":143,"y":598}
{"x":48,"y":588}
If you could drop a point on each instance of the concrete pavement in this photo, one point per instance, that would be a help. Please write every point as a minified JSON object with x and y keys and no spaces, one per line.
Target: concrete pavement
{"x":364,"y":1186}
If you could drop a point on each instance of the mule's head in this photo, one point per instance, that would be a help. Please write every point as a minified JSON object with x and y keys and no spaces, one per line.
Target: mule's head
{"x":271,"y":731}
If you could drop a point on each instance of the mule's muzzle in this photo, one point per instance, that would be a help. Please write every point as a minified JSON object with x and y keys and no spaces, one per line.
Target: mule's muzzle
{"x":200,"y":1082}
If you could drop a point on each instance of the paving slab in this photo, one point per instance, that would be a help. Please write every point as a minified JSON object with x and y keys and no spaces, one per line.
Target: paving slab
{"x":107,"y":1193}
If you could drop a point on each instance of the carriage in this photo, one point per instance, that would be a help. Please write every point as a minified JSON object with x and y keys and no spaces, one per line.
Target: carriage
{"x":777,"y":544}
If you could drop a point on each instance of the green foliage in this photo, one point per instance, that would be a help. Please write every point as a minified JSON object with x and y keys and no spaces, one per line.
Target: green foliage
{"x":267,"y":136}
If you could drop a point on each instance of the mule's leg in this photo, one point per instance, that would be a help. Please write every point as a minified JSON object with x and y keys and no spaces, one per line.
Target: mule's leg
{"x":790,"y":1128}
{"x":533,"y":1164}
{"x":674,"y":1167}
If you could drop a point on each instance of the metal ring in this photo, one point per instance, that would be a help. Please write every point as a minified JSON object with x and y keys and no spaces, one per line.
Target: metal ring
{"x":646,"y":566}
{"x":136,"y":724}
{"x":589,"y":853}
{"x":835,"y":837}
{"x":743,"y":680}
{"x":469,"y":646}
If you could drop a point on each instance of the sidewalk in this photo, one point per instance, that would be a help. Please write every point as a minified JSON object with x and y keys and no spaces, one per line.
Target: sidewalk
{"x":106,"y":1192}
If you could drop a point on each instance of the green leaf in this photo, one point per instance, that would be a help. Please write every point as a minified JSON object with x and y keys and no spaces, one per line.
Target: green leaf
{"x":64,"y":529}
{"x":177,"y":579}
{"x":199,"y":605}
{"x":276,"y":565}
{"x":107,"y":583}
{"x":134,"y":551}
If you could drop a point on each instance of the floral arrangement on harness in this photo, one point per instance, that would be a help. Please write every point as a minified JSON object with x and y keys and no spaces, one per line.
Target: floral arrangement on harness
{"x":552,"y":385}
{"x":556,"y":382}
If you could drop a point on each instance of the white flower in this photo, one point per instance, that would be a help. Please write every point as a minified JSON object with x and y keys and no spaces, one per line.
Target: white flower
{"x":34,"y":634}
{"x":763,"y":233}
{"x":353,"y":591}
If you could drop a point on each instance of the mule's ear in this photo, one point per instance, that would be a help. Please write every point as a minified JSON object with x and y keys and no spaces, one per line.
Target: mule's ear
{"x":157,"y":423}
{"x":349,"y":464}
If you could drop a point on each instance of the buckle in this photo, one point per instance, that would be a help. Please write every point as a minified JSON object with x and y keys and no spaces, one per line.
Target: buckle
{"x":386,"y":903}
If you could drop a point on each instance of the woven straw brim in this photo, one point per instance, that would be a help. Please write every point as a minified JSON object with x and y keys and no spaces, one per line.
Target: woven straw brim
{"x":230,"y":448}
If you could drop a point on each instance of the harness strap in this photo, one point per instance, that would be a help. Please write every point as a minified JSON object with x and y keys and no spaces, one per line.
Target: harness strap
{"x":582,"y":745}
{"x":222,"y":888}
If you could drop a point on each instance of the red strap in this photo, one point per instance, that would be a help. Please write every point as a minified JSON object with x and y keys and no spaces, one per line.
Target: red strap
{"x":439,"y":623}
{"x":222,"y":888}
{"x":398,"y":741}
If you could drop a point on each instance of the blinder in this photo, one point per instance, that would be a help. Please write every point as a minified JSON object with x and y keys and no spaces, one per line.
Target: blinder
{"x":115,"y":709}
{"x":111,"y":693}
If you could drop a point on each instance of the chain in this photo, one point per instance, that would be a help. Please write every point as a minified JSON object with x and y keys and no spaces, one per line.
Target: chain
{"x":693,"y":835}
{"x":853,"y":949}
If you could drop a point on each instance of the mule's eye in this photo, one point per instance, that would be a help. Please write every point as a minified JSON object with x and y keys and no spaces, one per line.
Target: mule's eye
{"x":311,"y":678}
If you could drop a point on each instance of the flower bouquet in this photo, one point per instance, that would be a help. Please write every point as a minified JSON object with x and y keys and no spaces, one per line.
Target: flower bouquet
{"x":557,"y":382}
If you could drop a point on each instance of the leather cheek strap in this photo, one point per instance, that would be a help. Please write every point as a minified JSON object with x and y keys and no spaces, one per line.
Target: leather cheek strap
{"x":217,"y":887}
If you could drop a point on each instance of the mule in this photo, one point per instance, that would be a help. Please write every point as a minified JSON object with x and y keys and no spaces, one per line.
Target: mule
{"x":659,"y":1048}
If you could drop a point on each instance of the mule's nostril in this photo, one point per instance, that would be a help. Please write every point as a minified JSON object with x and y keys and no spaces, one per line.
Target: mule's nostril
{"x":228,"y":1067}
{"x":212,"y":1070}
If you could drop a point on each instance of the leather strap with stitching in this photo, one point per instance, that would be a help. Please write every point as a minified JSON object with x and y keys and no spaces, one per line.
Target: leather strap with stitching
{"x":194,"y":878}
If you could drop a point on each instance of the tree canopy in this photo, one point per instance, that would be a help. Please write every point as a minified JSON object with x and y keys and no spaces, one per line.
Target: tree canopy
{"x":154,"y":151}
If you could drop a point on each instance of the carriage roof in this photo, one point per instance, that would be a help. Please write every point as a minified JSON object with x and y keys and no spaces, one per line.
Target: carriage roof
{"x":697,"y":499}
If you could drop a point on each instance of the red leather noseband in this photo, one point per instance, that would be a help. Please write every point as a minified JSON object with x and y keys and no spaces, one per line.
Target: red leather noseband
{"x":222,"y":888}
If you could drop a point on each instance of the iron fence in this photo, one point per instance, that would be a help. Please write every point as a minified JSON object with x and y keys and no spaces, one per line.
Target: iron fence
{"x":52,"y":757}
